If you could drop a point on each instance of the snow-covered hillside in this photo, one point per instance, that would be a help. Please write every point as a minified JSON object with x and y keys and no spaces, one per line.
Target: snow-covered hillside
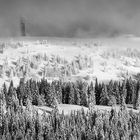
{"x":87,"y":59}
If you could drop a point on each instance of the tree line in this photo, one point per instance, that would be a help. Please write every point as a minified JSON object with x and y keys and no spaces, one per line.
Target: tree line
{"x":78,"y":93}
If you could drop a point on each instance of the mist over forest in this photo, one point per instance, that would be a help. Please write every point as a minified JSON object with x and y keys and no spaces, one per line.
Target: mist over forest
{"x":70,"y":18}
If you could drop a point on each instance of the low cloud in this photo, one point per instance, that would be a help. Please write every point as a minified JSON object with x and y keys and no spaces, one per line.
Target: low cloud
{"x":70,"y":18}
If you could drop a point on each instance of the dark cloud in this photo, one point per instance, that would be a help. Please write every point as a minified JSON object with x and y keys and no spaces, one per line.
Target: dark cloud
{"x":70,"y":18}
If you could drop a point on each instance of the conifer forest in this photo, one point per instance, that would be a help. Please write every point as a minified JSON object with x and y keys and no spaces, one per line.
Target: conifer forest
{"x":69,"y":69}
{"x":19,"y":120}
{"x":54,"y":90}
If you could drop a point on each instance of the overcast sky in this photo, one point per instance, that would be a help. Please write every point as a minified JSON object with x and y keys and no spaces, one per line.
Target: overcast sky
{"x":70,"y":18}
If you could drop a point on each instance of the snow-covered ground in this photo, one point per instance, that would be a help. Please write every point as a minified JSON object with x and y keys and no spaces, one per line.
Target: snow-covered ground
{"x":67,"y":109}
{"x":114,"y":58}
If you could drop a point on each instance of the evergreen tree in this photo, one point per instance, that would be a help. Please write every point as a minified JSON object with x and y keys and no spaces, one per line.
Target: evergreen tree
{"x":97,"y":92}
{"x":91,"y":95}
{"x":123,"y":119}
{"x":5,"y":91}
{"x":41,"y":100}
{"x":123,"y":90}
{"x":116,"y":92}
{"x":63,"y":93}
{"x":2,"y":111}
{"x":135,"y":96}
{"x":59,"y":92}
{"x":104,"y":96}
{"x":71,"y":94}
{"x":110,"y":88}
{"x":10,"y":90}
{"x":21,"y":92}
{"x":27,"y":92}
{"x":29,"y":108}
{"x":137,"y":104}
{"x":83,"y":94}
{"x":34,"y":92}
{"x":43,"y":85}
{"x":112,"y":100}
{"x":66,"y":92}
{"x":77,"y":98}
{"x":10,"y":94}
{"x":50,"y":96}
{"x":122,"y":104}
{"x":130,"y":91}
{"x":15,"y":101}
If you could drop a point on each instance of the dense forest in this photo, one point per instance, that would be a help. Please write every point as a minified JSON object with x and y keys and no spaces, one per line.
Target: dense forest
{"x":77,"y":93}
{"x":18,"y":121}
